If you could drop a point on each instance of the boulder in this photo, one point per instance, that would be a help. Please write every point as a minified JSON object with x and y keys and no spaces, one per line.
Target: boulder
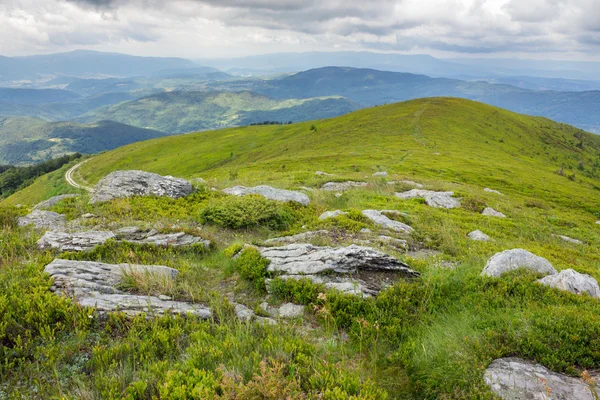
{"x":479,"y":236}
{"x":488,"y":190}
{"x":510,"y":260}
{"x":353,"y":269}
{"x":77,"y":241}
{"x":46,"y":204}
{"x":517,"y":379}
{"x":42,"y":220}
{"x":490,"y":212}
{"x":301,"y":237}
{"x":572,"y":281}
{"x":342,"y":186}
{"x":378,"y":218}
{"x":270,"y":193}
{"x":120,"y":184}
{"x":93,"y":284}
{"x":381,"y":173}
{"x":432,"y":199}
{"x":331,"y":214}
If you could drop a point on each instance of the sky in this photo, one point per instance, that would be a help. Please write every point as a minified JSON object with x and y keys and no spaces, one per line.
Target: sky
{"x":558,"y":29}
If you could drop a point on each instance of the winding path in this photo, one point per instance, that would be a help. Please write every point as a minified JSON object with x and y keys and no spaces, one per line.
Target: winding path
{"x":71,"y":181}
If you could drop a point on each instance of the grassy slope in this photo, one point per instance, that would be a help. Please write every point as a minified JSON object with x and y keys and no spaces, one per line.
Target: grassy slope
{"x":428,"y":339}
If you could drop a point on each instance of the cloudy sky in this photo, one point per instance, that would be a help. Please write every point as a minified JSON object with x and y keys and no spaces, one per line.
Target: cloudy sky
{"x":560,"y":29}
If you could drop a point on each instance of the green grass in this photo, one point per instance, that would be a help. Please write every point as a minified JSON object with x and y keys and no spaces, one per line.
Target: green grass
{"x":428,"y":338}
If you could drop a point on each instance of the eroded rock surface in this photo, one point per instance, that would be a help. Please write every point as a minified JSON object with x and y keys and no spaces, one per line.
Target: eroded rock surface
{"x":41,"y":219}
{"x":342,"y":186}
{"x":94,"y":284}
{"x":120,"y":184}
{"x":270,"y":193}
{"x":479,"y":236}
{"x":432,"y":199}
{"x":490,"y":212}
{"x":46,"y":204}
{"x":518,"y":379}
{"x":572,"y":281}
{"x":76,"y":241}
{"x":510,"y":260}
{"x":353,"y":269}
{"x":378,"y":218}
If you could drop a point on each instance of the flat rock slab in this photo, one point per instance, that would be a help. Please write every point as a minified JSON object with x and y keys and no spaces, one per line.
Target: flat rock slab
{"x":490,"y":212}
{"x":379,"y":219}
{"x":270,"y":193}
{"x":510,"y":260}
{"x":41,"y":219}
{"x":572,"y":281}
{"x":517,"y":379}
{"x":46,"y":204}
{"x":77,"y":241}
{"x":353,"y":269}
{"x":432,"y":198}
{"x":342,"y":186}
{"x":94,"y":284}
{"x":301,"y":237}
{"x":479,"y":236}
{"x":121,"y":184}
{"x":177,"y":239}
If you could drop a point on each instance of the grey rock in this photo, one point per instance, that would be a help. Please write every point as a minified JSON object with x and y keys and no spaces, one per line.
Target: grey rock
{"x":572,"y":281}
{"x":198,"y":180}
{"x":517,"y":379}
{"x":321,"y":173}
{"x":291,"y":310}
{"x":432,"y":199}
{"x":479,"y":236}
{"x":411,"y":183}
{"x":342,"y":186}
{"x":120,"y":184}
{"x":42,"y":220}
{"x":598,"y":222}
{"x":381,"y":173}
{"x":77,"y":241}
{"x":270,"y":193}
{"x":331,"y":214}
{"x":366,"y":230}
{"x":244,"y":313}
{"x":338,"y":195}
{"x":568,"y":239}
{"x":378,"y":218}
{"x":510,"y":260}
{"x":137,"y":235}
{"x":301,"y":237}
{"x":490,"y":212}
{"x":46,"y":204}
{"x":398,"y":243}
{"x":488,"y":190}
{"x":89,"y":216}
{"x":93,"y":284}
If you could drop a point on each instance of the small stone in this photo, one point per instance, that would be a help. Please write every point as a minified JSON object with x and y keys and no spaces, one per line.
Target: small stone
{"x":338,"y":195}
{"x":89,"y":216}
{"x":378,"y":218}
{"x":432,"y":199}
{"x":568,"y":239}
{"x":479,"y":236}
{"x":342,"y":186}
{"x":331,"y":214}
{"x":490,"y":212}
{"x":492,"y":191}
{"x":243,"y":313}
{"x":321,"y":173}
{"x":572,"y":281}
{"x":381,"y":173}
{"x":366,"y":230}
{"x":510,"y":260}
{"x":398,"y":243}
{"x":164,"y":297}
{"x":291,"y":310}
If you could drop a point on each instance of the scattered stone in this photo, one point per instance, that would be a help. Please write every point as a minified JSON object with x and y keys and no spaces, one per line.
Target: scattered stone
{"x":490,"y":212}
{"x":572,"y":281}
{"x":398,"y":243}
{"x":510,"y":260}
{"x":338,"y":195}
{"x":411,"y":183}
{"x":120,"y":184}
{"x":89,"y":216}
{"x":307,"y":189}
{"x":301,"y":237}
{"x":366,"y":230}
{"x":342,"y":186}
{"x":270,"y":193}
{"x":321,"y":173}
{"x":371,"y":270}
{"x":78,"y":241}
{"x":164,"y":297}
{"x":598,"y":222}
{"x":331,"y":214}
{"x":378,"y":218}
{"x":492,"y":191}
{"x":176,"y":239}
{"x":568,"y":239}
{"x":46,"y":204}
{"x":291,"y":310}
{"x":381,"y":173}
{"x":42,"y":220}
{"x":432,"y":199}
{"x":93,"y":284}
{"x":479,"y":236}
{"x":513,"y":378}
{"x":244,"y":313}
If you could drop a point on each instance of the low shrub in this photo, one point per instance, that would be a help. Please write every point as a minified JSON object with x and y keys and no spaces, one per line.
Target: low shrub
{"x":252,"y":267}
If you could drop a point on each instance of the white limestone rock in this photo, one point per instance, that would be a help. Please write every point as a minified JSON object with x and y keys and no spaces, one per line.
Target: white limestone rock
{"x":378,"y":218}
{"x":331,"y":214}
{"x":510,"y":260}
{"x":270,"y":193}
{"x":572,"y":281}
{"x":488,"y":190}
{"x":479,"y":236}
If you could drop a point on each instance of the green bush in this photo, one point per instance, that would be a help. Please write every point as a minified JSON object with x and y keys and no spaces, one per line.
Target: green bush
{"x":252,"y":267}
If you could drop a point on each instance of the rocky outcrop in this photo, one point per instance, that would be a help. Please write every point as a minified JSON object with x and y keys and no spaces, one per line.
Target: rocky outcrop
{"x":120,"y":184}
{"x":353,"y":269}
{"x":93,"y":284}
{"x":378,"y":218}
{"x":572,"y":281}
{"x":490,"y":212}
{"x":77,"y":241}
{"x":46,"y":204}
{"x":517,"y":379}
{"x":342,"y":186}
{"x":42,"y":220}
{"x":488,"y":190}
{"x":510,"y":260}
{"x":270,"y":193}
{"x":299,"y":238}
{"x":479,"y":236}
{"x":432,"y":199}
{"x":331,"y":214}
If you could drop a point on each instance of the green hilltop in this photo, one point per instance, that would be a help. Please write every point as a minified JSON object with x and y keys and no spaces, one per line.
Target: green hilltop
{"x":430,"y":337}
